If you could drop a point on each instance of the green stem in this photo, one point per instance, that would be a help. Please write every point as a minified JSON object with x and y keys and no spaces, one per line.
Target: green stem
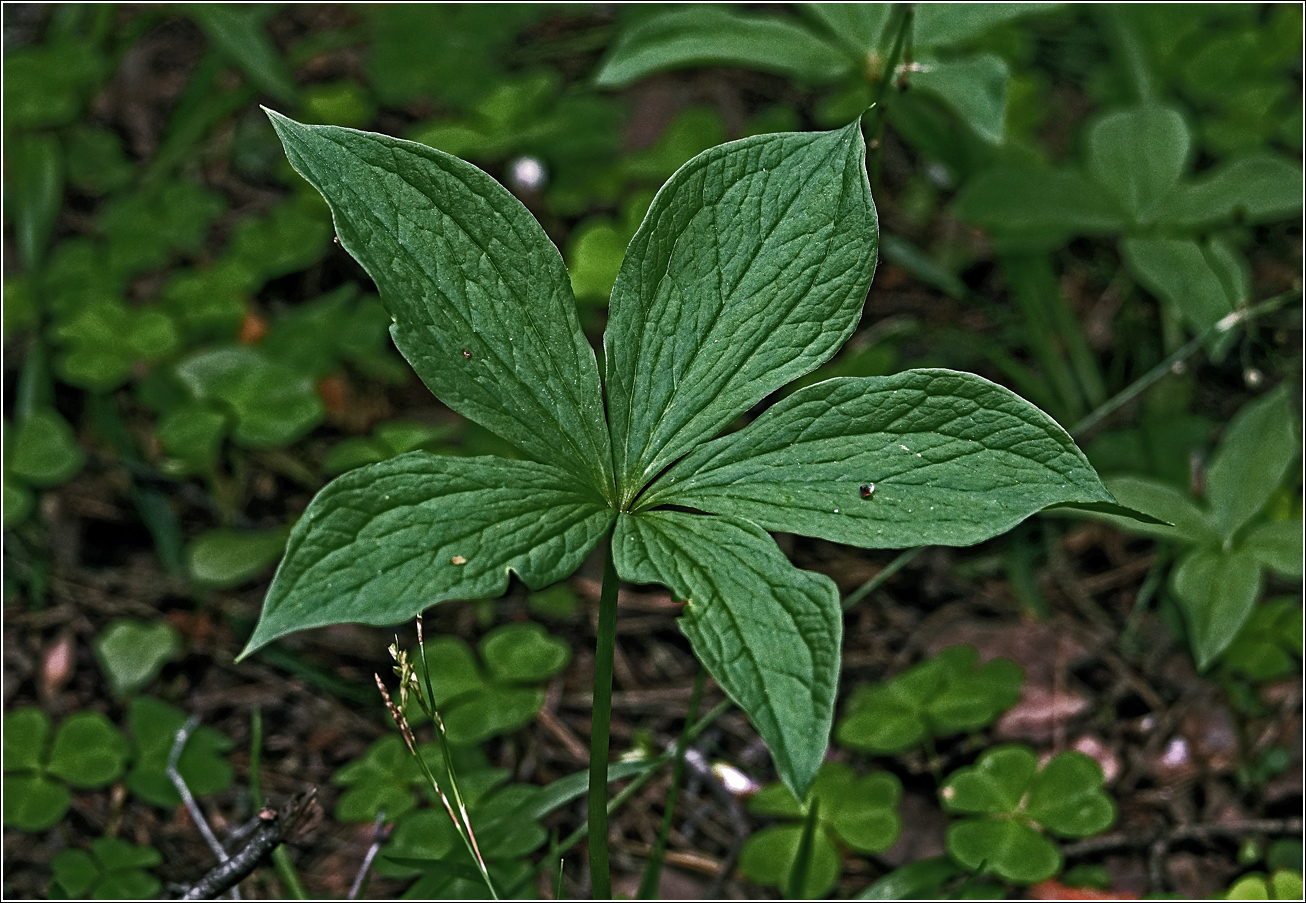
{"x":648,"y":885}
{"x":280,"y":855}
{"x":1151,"y":377}
{"x":903,"y":559}
{"x":600,"y":726}
{"x":881,"y":94}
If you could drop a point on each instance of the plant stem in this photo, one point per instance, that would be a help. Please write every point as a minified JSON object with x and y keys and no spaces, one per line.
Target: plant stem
{"x":600,"y":726}
{"x":648,"y":885}
{"x":1151,"y":377}
{"x":890,"y":68}
{"x":903,"y":559}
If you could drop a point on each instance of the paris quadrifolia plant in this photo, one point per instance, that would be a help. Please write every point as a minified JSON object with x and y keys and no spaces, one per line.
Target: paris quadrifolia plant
{"x":749,"y":270}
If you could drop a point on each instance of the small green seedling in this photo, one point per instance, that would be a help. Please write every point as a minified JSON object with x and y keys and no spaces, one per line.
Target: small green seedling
{"x":1014,"y":803}
{"x":154,"y":724}
{"x":860,"y":813}
{"x":478,"y":702}
{"x":943,"y":695}
{"x":1228,"y":541}
{"x":87,"y":752}
{"x":1281,"y":885}
{"x":113,"y":870}
{"x":751,"y":268}
{"x":131,"y":653}
{"x":387,"y":777}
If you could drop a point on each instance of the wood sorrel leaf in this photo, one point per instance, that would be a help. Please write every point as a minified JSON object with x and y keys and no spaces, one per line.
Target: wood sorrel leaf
{"x":749,"y":270}
{"x":768,"y":632}
{"x":383,"y":542}
{"x":944,"y":457}
{"x":482,"y":303}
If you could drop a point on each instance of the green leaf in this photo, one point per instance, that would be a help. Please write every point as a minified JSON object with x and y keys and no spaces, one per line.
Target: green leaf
{"x":154,"y":725}
{"x":116,"y":853}
{"x":1255,"y":453}
{"x":858,"y":27}
{"x":1256,"y":188}
{"x":33,"y":192}
{"x":920,"y":880}
{"x":866,"y":815}
{"x":383,"y":542}
{"x":271,"y":403}
{"x":427,"y":834}
{"x":1216,"y":592}
{"x":1204,"y":282}
{"x":1270,"y":642}
{"x":1138,"y":156}
{"x":767,"y":632}
{"x":73,"y":872}
{"x":88,"y":751}
{"x":975,"y":87}
{"x":131,"y":653}
{"x":1066,"y":796}
{"x":1034,"y":200}
{"x":482,"y":303}
{"x":750,"y":269}
{"x":1277,"y":546}
{"x":1182,"y":520}
{"x":941,"y":24}
{"x":33,"y":802}
{"x":241,"y":35}
{"x":26,"y":732}
{"x":1013,"y":850}
{"x":523,"y":653}
{"x":769,"y":856}
{"x":946,"y":458}
{"x":224,"y":558}
{"x":945,"y":694}
{"x":45,"y":450}
{"x":720,"y":36}
{"x":490,"y":711}
{"x":995,"y":784}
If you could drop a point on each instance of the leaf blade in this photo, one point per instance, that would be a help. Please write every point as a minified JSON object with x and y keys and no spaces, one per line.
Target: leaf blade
{"x":993,"y":460}
{"x":750,"y":269}
{"x":482,"y":302}
{"x":467,"y":522}
{"x":767,"y":632}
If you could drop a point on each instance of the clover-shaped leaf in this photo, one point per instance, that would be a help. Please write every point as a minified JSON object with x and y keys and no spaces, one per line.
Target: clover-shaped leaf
{"x":86,"y":751}
{"x":945,"y":694}
{"x":749,"y":270}
{"x":113,"y":870}
{"x":388,"y":775}
{"x":859,"y":812}
{"x":154,"y":725}
{"x":476,"y":702}
{"x":1015,"y":802}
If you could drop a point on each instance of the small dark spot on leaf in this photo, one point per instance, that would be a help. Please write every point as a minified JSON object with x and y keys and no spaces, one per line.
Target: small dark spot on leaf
{"x":467,"y":354}
{"x":336,"y":239}
{"x":867,"y":490}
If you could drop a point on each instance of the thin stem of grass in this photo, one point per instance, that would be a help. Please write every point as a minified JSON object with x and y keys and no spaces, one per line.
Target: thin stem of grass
{"x":600,"y":726}
{"x":904,"y":558}
{"x":648,"y":885}
{"x":286,"y":870}
{"x":1153,"y":376}
{"x":882,"y":93}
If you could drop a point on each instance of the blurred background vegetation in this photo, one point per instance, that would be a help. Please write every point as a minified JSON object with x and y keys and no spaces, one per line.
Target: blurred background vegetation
{"x":1074,"y":200}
